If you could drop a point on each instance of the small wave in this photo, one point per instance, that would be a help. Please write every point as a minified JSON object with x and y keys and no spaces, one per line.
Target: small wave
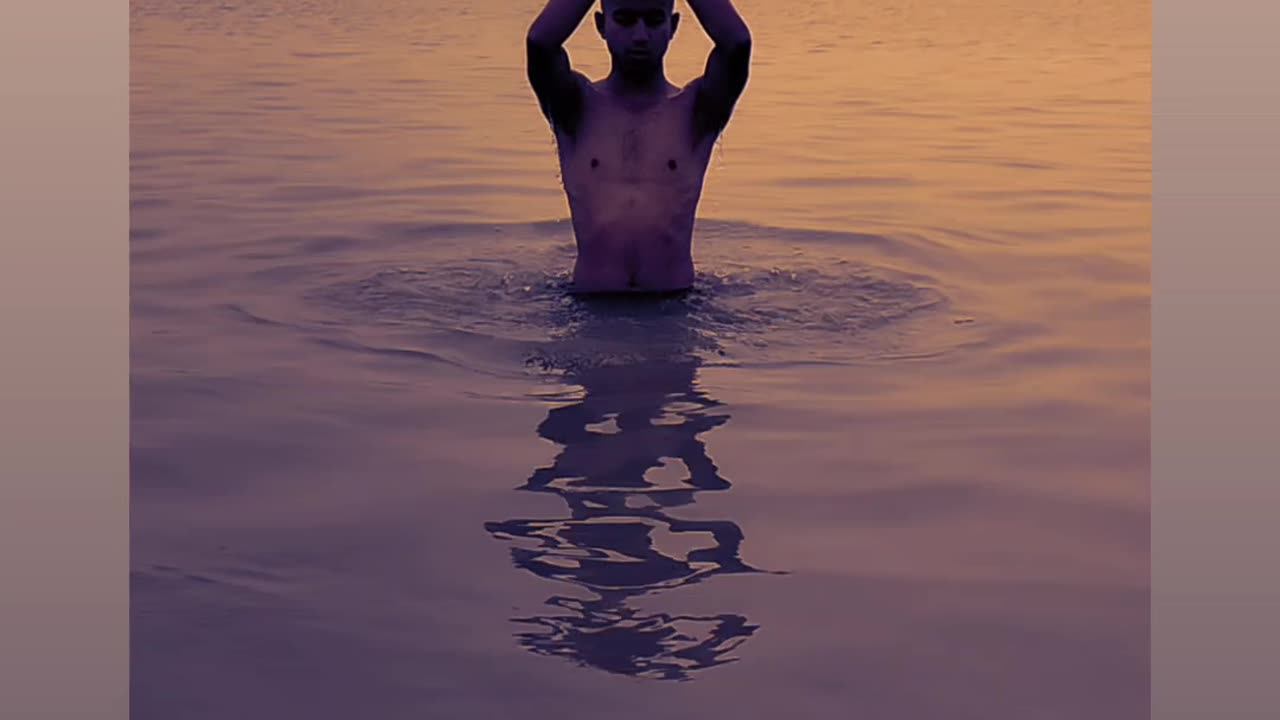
{"x":775,"y":313}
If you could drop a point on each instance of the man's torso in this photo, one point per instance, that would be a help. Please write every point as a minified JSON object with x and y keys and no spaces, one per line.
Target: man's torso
{"x":633,"y":178}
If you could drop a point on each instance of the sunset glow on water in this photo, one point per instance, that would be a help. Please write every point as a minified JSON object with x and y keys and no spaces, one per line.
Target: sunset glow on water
{"x":888,"y":459}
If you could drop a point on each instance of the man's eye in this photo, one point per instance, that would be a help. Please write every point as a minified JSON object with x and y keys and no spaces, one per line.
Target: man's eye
{"x":654,"y":19}
{"x":624,"y":18}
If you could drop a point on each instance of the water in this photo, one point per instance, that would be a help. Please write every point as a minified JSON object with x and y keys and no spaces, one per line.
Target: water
{"x":888,"y":458}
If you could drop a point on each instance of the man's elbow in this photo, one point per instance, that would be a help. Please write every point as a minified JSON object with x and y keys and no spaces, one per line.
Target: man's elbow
{"x":738,"y":44}
{"x":535,"y":43}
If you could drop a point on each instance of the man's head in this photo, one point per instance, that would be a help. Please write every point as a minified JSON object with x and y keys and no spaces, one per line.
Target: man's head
{"x":637,"y":32}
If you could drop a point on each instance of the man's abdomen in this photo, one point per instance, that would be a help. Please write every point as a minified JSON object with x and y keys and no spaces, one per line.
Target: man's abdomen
{"x":633,"y":260}
{"x":630,"y":239}
{"x":592,"y":274}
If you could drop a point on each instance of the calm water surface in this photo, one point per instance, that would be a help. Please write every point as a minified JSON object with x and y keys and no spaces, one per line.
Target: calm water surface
{"x":889,"y":459}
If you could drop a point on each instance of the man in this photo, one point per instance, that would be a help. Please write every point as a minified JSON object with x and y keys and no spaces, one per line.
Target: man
{"x":633,"y":147}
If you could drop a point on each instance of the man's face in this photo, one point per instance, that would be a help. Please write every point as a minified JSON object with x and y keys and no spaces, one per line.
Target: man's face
{"x":637,"y":31}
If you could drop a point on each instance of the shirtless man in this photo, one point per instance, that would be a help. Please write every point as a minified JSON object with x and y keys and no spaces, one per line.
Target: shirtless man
{"x":633,"y":147}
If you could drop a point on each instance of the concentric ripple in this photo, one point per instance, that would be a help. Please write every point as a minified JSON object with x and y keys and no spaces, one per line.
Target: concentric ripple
{"x":519,"y":299}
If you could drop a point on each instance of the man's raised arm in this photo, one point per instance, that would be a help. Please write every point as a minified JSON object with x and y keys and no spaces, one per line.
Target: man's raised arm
{"x":728,"y":66}
{"x":556,"y":85}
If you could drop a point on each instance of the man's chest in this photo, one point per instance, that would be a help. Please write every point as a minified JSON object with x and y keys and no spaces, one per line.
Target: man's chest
{"x":617,"y":145}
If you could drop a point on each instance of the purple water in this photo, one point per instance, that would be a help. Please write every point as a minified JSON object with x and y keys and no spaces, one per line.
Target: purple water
{"x":889,"y":458}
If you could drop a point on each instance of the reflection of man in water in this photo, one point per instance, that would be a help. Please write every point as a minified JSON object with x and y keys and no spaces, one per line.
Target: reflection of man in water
{"x":631,"y":452}
{"x":649,"y":417}
{"x":633,"y":147}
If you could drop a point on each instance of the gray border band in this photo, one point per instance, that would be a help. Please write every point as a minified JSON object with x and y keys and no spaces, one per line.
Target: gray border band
{"x":64,"y":333}
{"x":1216,"y":348}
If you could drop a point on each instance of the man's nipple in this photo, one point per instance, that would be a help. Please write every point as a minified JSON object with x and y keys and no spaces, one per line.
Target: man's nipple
{"x":595,"y":163}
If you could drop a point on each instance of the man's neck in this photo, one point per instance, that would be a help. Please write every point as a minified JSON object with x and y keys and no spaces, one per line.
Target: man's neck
{"x":649,"y":86}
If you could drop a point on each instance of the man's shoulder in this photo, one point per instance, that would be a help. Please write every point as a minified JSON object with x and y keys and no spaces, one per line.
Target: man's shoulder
{"x":693,"y":93}
{"x":691,"y":87}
